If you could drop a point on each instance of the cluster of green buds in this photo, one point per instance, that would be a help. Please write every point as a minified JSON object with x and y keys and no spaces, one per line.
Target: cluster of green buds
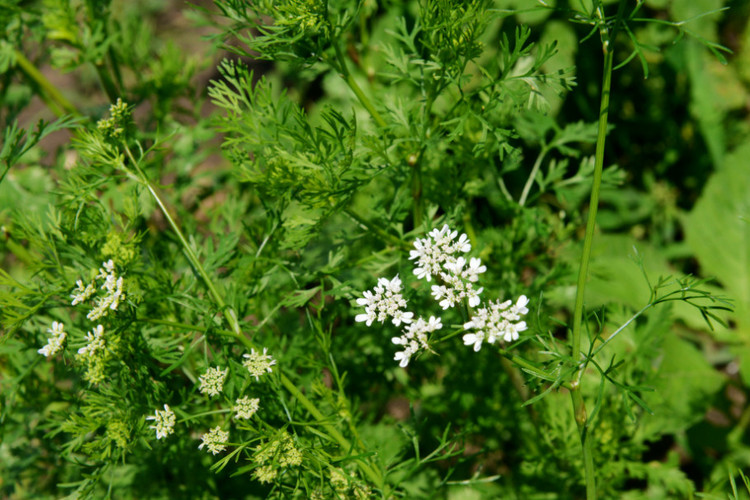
{"x":117,"y":126}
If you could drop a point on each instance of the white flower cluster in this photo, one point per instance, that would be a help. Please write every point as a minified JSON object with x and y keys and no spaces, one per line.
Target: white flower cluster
{"x":245,"y":407}
{"x":436,"y":250}
{"x":258,"y":363}
{"x":96,"y":342}
{"x":55,"y":342}
{"x":82,"y":293}
{"x":385,"y":301}
{"x":212,"y":382}
{"x":215,"y":440}
{"x":436,"y":257}
{"x":164,"y":422}
{"x":110,"y":301}
{"x":414,"y":338}
{"x":498,"y":321}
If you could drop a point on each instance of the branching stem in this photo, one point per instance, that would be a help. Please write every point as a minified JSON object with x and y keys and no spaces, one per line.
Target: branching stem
{"x":352,"y":83}
{"x":236,"y":331}
{"x":57,"y":102}
{"x":579,"y":405}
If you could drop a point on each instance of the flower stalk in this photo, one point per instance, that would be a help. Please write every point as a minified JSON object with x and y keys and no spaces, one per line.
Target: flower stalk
{"x":579,"y":405}
{"x":236,"y":331}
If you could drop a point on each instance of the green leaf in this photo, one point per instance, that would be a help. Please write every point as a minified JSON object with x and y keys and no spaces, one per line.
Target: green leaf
{"x":718,"y":231}
{"x":684,"y":384}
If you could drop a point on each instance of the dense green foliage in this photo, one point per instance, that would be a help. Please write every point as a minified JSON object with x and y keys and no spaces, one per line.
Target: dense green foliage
{"x":186,"y":190}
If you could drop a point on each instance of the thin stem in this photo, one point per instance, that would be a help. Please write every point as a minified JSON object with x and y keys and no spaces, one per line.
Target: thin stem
{"x":532,"y":175}
{"x":579,"y":406}
{"x":50,"y":95}
{"x":416,"y":194}
{"x":236,"y":333}
{"x":363,"y":99}
{"x":228,"y":311}
{"x":381,"y":233}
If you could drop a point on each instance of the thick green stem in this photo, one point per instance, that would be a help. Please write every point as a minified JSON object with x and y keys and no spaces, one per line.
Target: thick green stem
{"x":50,"y":95}
{"x":363,"y":99}
{"x":579,"y":406}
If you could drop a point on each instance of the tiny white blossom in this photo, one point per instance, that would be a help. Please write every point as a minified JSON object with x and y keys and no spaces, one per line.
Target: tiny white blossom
{"x":414,"y":338}
{"x":82,"y":293}
{"x":258,"y":364}
{"x":96,"y":342}
{"x":164,"y":422}
{"x":106,"y":269}
{"x":212,"y":382}
{"x":113,"y":285}
{"x":497,"y":321}
{"x":438,"y":249}
{"x":385,"y":301}
{"x":215,"y":440}
{"x":245,"y":407}
{"x":55,"y":342}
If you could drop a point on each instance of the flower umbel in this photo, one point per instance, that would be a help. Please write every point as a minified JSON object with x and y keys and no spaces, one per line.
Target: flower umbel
{"x":55,"y":342}
{"x":383,"y":302}
{"x":459,"y":283}
{"x":245,"y":407}
{"x":110,"y":301}
{"x":96,"y":342}
{"x":212,"y":382}
{"x":497,"y":321}
{"x":414,"y":338}
{"x":436,"y":250}
{"x":215,"y":440}
{"x":165,"y":420}
{"x":82,"y":293}
{"x":258,"y":364}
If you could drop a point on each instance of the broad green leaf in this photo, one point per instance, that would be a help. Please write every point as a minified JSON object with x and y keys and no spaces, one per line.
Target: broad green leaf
{"x":684,"y":384}
{"x":718,"y":231}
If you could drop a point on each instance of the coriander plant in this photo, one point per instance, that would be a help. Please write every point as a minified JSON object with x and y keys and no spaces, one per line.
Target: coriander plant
{"x":358,"y":249}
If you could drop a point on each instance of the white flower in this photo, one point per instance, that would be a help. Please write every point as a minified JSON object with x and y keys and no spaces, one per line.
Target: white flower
{"x":164,"y":422}
{"x":258,"y":364}
{"x":82,"y":294}
{"x":113,"y":286}
{"x":106,"y":269}
{"x":437,"y":249}
{"x":383,"y":302}
{"x":414,"y":338}
{"x":55,"y":342}
{"x":215,"y":440}
{"x":474,"y":338}
{"x":212,"y":382}
{"x":96,"y":342}
{"x":245,"y":407}
{"x":497,"y":321}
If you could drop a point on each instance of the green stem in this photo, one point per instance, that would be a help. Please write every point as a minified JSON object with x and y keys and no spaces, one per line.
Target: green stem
{"x":416,"y":194}
{"x":107,"y":84}
{"x":593,"y":206}
{"x":236,"y":333}
{"x":363,"y":99}
{"x":228,"y":311}
{"x":579,"y":405}
{"x":532,"y":175}
{"x":397,"y":242}
{"x":50,"y":95}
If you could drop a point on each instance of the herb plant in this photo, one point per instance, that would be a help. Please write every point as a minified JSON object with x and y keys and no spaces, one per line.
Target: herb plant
{"x":357,"y":249}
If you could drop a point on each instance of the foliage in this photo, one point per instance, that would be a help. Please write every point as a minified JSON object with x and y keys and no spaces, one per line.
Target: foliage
{"x":210,"y":262}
